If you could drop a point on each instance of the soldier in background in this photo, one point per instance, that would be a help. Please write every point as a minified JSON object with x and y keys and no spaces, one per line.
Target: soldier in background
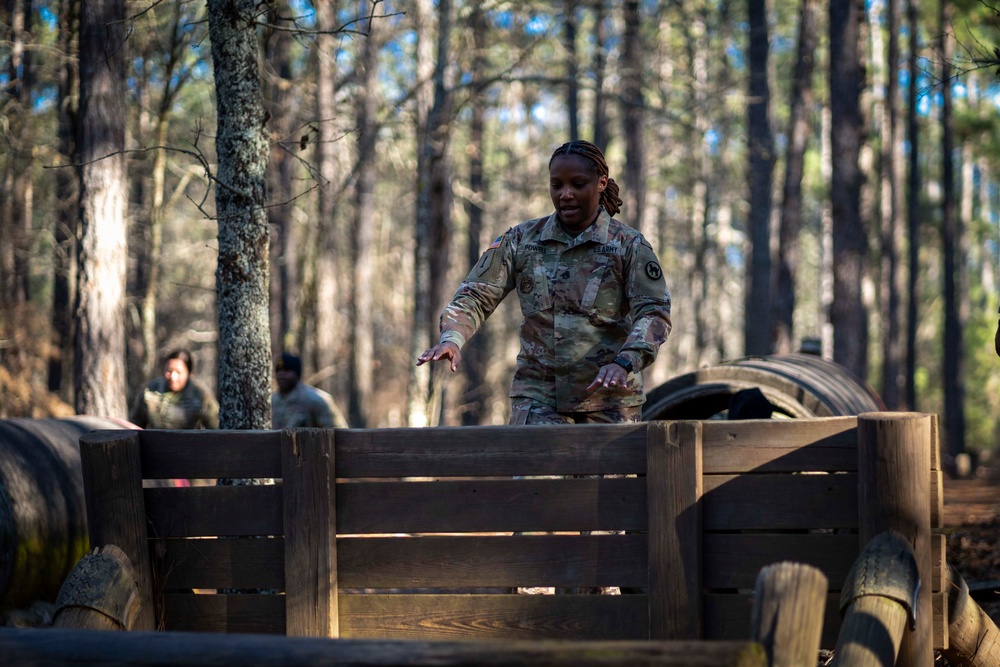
{"x":298,"y":405}
{"x":175,"y":399}
{"x":594,"y":300}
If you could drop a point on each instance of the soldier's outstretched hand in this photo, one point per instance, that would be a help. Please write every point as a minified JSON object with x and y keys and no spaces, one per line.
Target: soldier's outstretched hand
{"x":610,"y":376}
{"x":445,"y":350}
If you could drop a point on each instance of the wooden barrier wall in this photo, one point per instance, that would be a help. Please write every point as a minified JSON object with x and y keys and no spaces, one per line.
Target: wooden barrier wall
{"x":423,"y":533}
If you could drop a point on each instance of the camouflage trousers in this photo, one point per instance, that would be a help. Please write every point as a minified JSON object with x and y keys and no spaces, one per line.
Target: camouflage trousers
{"x":528,"y":411}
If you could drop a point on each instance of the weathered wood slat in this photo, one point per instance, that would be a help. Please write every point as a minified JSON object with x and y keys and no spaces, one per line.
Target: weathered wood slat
{"x":780,"y":501}
{"x":264,"y":614}
{"x":502,"y":450}
{"x":675,"y":487}
{"x":780,"y":445}
{"x":448,"y":617}
{"x":200,"y":454}
{"x":224,"y":563}
{"x":203,"y":511}
{"x":492,"y":506}
{"x":116,"y":513}
{"x":70,"y":648}
{"x":734,"y":560}
{"x":507,"y":561}
{"x":307,"y":464}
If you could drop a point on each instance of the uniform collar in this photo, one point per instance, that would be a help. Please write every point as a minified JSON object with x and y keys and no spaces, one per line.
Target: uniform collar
{"x":597,"y":232}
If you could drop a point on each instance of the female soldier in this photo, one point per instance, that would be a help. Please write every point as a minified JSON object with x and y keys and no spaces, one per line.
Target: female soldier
{"x":595,"y":304}
{"x":176,"y":400}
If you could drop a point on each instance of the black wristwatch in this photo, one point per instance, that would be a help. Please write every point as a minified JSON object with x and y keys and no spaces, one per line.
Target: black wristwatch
{"x":624,"y":362}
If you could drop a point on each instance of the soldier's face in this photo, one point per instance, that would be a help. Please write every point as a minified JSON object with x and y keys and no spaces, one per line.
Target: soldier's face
{"x":576,"y":190}
{"x":176,"y":374}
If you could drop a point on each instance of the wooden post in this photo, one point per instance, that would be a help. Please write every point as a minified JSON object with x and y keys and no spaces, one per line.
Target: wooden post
{"x":894,"y":463}
{"x":974,"y":640}
{"x":674,"y":484}
{"x":116,"y":511}
{"x":310,"y":519}
{"x":788,"y":608}
{"x":100,"y":593}
{"x":877,"y":601}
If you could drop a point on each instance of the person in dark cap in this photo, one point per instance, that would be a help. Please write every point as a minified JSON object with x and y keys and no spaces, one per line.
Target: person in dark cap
{"x":298,"y":405}
{"x":750,"y":404}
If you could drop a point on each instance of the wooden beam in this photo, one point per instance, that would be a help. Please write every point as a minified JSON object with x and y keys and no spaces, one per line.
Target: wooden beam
{"x":310,"y":518}
{"x":116,"y":513}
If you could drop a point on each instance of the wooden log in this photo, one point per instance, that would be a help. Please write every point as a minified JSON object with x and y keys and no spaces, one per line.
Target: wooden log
{"x":788,"y":610}
{"x":974,"y":640}
{"x":43,"y":520}
{"x":116,"y":513}
{"x":894,"y":463}
{"x":65,"y":648}
{"x":100,"y":593}
{"x":878,"y":601}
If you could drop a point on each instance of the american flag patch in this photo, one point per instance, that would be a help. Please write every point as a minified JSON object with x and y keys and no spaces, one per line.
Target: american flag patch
{"x":496,"y":244}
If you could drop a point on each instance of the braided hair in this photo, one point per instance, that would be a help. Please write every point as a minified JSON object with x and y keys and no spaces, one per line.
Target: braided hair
{"x":610,"y":200}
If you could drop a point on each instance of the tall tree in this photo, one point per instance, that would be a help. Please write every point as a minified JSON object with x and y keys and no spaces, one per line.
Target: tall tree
{"x":600,"y":72}
{"x":890,"y":288}
{"x":242,"y":274}
{"x":321,"y":285}
{"x":757,"y":328}
{"x":633,"y":114}
{"x":790,"y":225}
{"x":433,"y":228}
{"x":99,"y":360}
{"x":476,"y":356}
{"x":849,"y":314}
{"x":912,"y":205}
{"x":366,"y":102}
{"x":572,"y":69}
{"x":954,"y":264}
{"x":64,"y":231}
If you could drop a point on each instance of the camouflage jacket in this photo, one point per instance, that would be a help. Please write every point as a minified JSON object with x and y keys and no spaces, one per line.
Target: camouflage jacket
{"x":194,"y":406}
{"x":584,"y":301}
{"x":304,"y":407}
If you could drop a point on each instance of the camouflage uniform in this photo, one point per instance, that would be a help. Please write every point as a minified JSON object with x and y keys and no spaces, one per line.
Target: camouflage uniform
{"x":304,"y":406}
{"x":584,"y":301}
{"x":194,"y":406}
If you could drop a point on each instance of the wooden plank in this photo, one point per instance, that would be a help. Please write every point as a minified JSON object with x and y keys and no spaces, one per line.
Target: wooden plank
{"x":491,"y":506}
{"x":936,"y":442}
{"x":264,"y":614}
{"x":203,"y":454}
{"x":204,"y":511}
{"x":780,"y":501}
{"x":449,"y":617}
{"x":225,"y":563}
{"x":674,"y":487}
{"x":492,"y":561}
{"x":492,"y":450}
{"x":735,"y":560}
{"x":727,"y":617}
{"x":116,"y":514}
{"x":939,"y":564}
{"x":32,"y":647}
{"x":780,"y":445}
{"x":307,"y":458}
{"x":937,"y":499}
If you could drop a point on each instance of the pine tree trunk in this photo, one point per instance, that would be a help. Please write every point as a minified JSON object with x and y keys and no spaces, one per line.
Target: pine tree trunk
{"x":572,"y":69}
{"x":242,"y":273}
{"x":951,"y":248}
{"x":99,"y":360}
{"x":633,"y":116}
{"x":799,"y":131}
{"x":600,"y":67}
{"x":850,"y":252}
{"x":912,"y":207}
{"x":362,"y":340}
{"x":757,"y":328}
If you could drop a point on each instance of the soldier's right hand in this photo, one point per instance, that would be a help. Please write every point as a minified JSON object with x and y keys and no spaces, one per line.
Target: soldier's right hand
{"x":445,"y":350}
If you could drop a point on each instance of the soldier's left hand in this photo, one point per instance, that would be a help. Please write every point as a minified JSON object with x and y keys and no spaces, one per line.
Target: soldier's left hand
{"x":611,"y":376}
